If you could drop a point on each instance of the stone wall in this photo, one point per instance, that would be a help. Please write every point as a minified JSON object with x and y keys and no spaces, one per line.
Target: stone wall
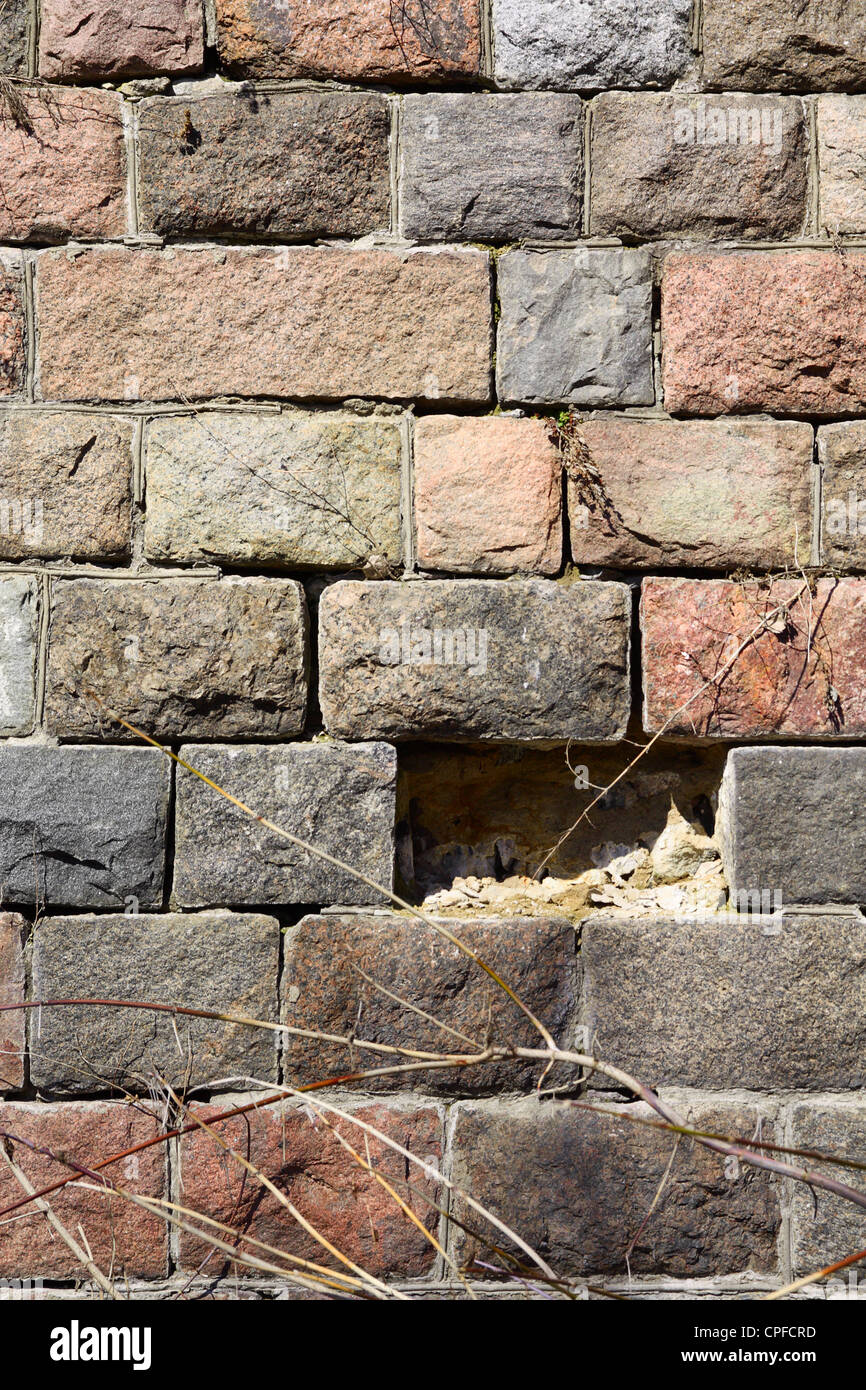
{"x":406,"y":407}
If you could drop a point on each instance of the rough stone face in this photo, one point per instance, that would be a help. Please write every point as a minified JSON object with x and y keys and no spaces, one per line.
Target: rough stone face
{"x":13,"y":351}
{"x":83,"y":827}
{"x":488,"y":497}
{"x":220,"y":961}
{"x":714,"y":493}
{"x":299,"y":322}
{"x":799,"y":851}
{"x":528,"y":661}
{"x":491,"y":167}
{"x":798,"y":675}
{"x":313,"y":491}
{"x":325,"y":989}
{"x":301,"y":1154}
{"x":766,"y":45}
{"x":337,"y":797}
{"x":599,"y":43}
{"x":93,"y":40}
{"x":753,"y":331}
{"x":842,"y":162}
{"x":12,"y":986}
{"x":674,"y":1001}
{"x":178,"y":656}
{"x":276,"y":164}
{"x":678,"y":165}
{"x":842,"y":454}
{"x":600,"y":1177}
{"x":351,"y":40}
{"x":576,"y":326}
{"x":64,"y":167}
{"x":825,"y":1228}
{"x":65,"y":485}
{"x":125,"y":1239}
{"x":18,"y":624}
{"x":13,"y":38}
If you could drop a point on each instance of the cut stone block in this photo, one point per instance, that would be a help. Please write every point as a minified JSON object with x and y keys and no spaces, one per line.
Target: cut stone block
{"x":219,"y":961}
{"x":13,"y":981}
{"x":489,"y":167}
{"x":825,"y":1228}
{"x":594,"y":44}
{"x":529,"y":661}
{"x":674,"y":1000}
{"x":19,"y":618}
{"x":83,"y":827}
{"x":337,"y":797}
{"x":576,"y":327}
{"x":772,"y":45}
{"x":88,"y":39}
{"x":65,"y":485}
{"x":842,"y":455}
{"x":791,"y":821}
{"x":313,"y":491}
{"x":334,"y":965}
{"x":221,"y":657}
{"x":283,"y":165}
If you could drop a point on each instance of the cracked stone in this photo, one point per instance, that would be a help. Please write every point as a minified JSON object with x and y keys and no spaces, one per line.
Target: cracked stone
{"x":83,"y":827}
{"x":87,"y":39}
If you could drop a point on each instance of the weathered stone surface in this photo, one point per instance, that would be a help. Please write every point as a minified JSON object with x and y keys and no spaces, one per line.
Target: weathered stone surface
{"x":64,"y":167}
{"x":488,"y":496}
{"x":576,"y":326}
{"x":766,"y":45}
{"x":842,"y":454}
{"x":337,"y":797}
{"x":178,"y":656}
{"x":65,"y":485}
{"x":601,"y":1175}
{"x":275,"y":164}
{"x":123,"y":39}
{"x":810,"y":848}
{"x":800,"y":671}
{"x":842,"y":163}
{"x":13,"y":351}
{"x":351,"y":40}
{"x":825,"y":1228}
{"x":314,"y":491}
{"x":125,"y":1239}
{"x":678,"y":165}
{"x":674,"y":1001}
{"x":301,"y":322}
{"x":13,"y":37}
{"x":12,"y":986}
{"x":714,"y":493}
{"x":752,"y":331}
{"x":334,"y":965}
{"x":491,"y":167}
{"x":301,"y":1154}
{"x":599,"y":43}
{"x":497,"y":811}
{"x":527,"y":662}
{"x":18,"y":623}
{"x":83,"y":827}
{"x":221,"y":961}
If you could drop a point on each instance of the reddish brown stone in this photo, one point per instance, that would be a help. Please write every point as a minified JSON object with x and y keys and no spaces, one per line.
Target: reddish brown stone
{"x":334,"y":965}
{"x":12,"y":981}
{"x":714,"y":493}
{"x":351,"y":40}
{"x":303,"y":1158}
{"x":755,"y":331}
{"x":801,"y":675}
{"x":488,"y":498}
{"x":85,"y":39}
{"x":300,"y":322}
{"x":64,"y":167}
{"x":13,"y":352}
{"x":124,"y":1239}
